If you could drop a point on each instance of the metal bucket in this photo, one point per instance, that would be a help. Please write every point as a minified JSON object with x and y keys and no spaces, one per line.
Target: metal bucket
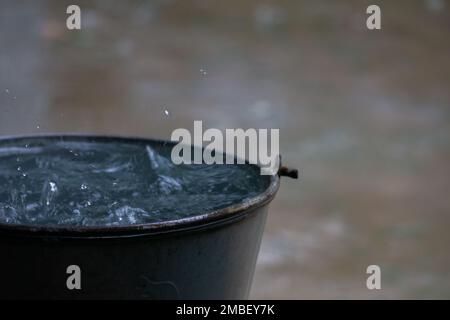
{"x":211,"y":256}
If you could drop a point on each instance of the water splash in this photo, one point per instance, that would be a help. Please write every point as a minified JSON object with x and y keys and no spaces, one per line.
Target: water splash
{"x":109,"y":184}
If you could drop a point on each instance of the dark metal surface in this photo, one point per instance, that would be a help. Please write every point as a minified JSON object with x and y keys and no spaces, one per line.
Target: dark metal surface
{"x":211,"y":256}
{"x":216,"y":262}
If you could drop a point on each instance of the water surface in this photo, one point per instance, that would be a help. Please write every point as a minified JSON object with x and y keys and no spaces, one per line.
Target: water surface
{"x":75,"y":182}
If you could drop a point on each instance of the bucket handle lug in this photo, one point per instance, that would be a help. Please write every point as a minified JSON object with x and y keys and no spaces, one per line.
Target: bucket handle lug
{"x":288,"y":172}
{"x":285,"y":171}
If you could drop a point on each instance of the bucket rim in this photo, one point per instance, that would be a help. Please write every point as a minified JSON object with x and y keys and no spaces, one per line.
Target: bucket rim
{"x":206,"y":220}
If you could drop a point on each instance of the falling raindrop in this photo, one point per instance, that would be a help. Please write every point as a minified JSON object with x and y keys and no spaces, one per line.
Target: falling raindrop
{"x":53,"y":187}
{"x":166,"y":113}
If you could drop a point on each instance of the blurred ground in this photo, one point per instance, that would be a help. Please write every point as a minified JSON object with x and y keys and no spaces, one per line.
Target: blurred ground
{"x":364,"y":115}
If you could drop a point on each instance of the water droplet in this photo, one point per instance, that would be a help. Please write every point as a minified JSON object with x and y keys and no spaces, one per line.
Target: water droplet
{"x":38,"y":127}
{"x":7,"y":90}
{"x":203,"y":72}
{"x":53,"y":187}
{"x":19,"y":168}
{"x":83,"y":187}
{"x":166,"y":113}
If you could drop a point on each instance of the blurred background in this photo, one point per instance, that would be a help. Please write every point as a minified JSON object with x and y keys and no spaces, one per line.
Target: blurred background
{"x":365,"y":116}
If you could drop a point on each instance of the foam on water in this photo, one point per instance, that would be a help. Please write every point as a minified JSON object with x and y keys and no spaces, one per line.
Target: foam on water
{"x":98,"y":183}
